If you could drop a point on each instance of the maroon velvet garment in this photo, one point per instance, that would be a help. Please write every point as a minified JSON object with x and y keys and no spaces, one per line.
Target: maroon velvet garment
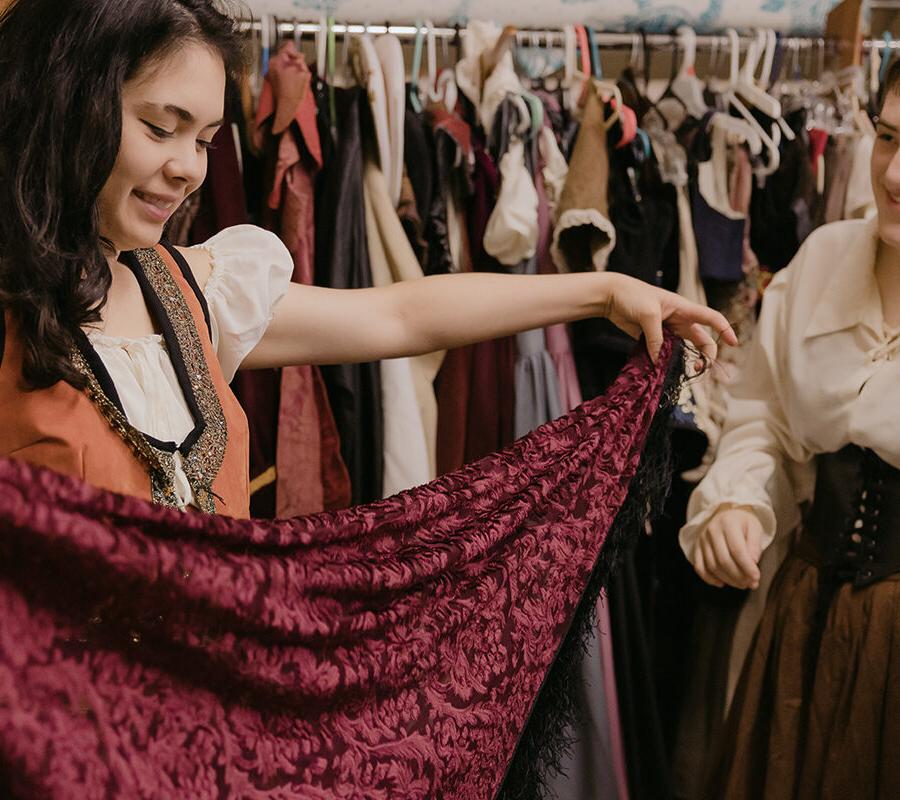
{"x":388,"y":651}
{"x":310,"y":474}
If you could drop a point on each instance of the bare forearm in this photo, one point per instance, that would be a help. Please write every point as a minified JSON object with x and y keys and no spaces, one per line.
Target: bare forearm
{"x":312,"y":325}
{"x":445,"y":311}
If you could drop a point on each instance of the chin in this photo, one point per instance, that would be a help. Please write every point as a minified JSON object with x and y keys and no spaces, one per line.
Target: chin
{"x":140,"y":237}
{"x":889,"y":233}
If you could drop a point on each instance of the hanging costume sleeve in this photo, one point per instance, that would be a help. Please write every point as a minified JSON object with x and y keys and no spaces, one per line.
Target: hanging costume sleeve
{"x":420,"y":646}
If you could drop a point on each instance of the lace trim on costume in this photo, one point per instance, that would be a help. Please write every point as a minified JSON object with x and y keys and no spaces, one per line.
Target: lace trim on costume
{"x":203,"y":459}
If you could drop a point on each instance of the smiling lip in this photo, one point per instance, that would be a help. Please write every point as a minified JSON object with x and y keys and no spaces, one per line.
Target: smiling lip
{"x":156,"y":206}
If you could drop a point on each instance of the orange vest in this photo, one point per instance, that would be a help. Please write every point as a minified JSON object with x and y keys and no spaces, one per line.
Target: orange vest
{"x":85,"y":433}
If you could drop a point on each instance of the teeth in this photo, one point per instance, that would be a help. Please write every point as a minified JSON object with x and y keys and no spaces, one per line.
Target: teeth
{"x":164,"y":206}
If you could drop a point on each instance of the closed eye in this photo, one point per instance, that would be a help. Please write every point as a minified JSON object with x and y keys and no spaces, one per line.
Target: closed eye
{"x":162,"y":133}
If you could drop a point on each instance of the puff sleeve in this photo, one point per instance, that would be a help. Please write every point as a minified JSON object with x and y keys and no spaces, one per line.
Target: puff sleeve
{"x":251,"y":271}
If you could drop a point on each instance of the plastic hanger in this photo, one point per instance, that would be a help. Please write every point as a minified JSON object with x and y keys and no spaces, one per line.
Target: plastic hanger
{"x":740,"y":128}
{"x":597,"y":69}
{"x":686,"y":86}
{"x":885,"y":57}
{"x":431,"y":53}
{"x":570,"y":94}
{"x":265,"y":35}
{"x":447,"y":90}
{"x":536,"y":112}
{"x":414,"y":99}
{"x":322,"y":46}
{"x":330,"y":73}
{"x":771,"y":141}
{"x":584,"y":50}
{"x":522,"y":129}
{"x":715,"y":50}
{"x":768,"y":58}
{"x":642,"y":104}
{"x":746,"y":85}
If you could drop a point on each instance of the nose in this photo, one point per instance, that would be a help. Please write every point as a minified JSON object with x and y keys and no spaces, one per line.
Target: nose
{"x":187,"y":165}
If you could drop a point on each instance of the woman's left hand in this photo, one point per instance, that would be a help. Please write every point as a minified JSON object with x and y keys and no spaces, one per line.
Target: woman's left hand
{"x":637,"y":307}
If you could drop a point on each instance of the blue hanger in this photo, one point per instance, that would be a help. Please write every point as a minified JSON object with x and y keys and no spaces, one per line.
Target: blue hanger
{"x":885,"y":56}
{"x":595,"y":53}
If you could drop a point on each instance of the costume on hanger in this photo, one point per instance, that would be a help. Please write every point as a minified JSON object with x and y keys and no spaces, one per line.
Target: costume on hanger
{"x":476,"y":398}
{"x":309,"y":474}
{"x":409,"y":403}
{"x":830,"y":618}
{"x":342,"y":262}
{"x":584,"y":236}
{"x":379,"y":651}
{"x":781,"y":209}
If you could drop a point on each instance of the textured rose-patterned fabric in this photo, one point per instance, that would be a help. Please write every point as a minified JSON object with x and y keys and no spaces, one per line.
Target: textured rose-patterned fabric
{"x":389,"y":651}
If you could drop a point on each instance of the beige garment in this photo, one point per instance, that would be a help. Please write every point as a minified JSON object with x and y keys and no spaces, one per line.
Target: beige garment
{"x":584,"y":236}
{"x":390,"y":54}
{"x":367,"y":68}
{"x":410,"y":406}
{"x":511,"y":234}
{"x":821,"y":373}
{"x":555,"y":168}
{"x":693,"y":397}
{"x":859,"y":202}
{"x":485,"y":94}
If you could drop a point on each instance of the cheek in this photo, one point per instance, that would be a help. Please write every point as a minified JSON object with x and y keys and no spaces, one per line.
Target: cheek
{"x":136,"y":160}
{"x":879,"y":165}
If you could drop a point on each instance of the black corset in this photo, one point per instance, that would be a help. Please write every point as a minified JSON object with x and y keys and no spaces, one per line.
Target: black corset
{"x":854,"y":523}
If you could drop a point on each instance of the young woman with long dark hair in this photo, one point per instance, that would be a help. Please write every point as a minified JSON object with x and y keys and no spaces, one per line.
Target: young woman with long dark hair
{"x":118,"y":350}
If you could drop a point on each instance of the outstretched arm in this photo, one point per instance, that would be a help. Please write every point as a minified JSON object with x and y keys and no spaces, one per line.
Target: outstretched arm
{"x":313,"y":325}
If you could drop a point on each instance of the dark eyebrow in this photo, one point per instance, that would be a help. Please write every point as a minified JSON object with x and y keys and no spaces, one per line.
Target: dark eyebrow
{"x":183,"y":114}
{"x":884,"y":124}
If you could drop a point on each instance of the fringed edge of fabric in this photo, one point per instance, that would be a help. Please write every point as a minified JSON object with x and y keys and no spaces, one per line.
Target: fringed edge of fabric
{"x":545,"y":739}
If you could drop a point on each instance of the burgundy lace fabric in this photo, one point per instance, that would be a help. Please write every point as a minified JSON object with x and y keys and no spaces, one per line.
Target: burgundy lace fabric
{"x":392,"y":650}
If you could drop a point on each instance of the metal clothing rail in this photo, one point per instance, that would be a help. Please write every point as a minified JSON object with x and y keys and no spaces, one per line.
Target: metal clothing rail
{"x":524,"y":36}
{"x":881,"y":44}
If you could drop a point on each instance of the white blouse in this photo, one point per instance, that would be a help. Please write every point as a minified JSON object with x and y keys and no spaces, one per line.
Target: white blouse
{"x":822,"y":372}
{"x":251,"y":270}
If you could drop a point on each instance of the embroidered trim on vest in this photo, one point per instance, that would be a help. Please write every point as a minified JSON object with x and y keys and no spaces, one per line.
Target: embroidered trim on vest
{"x":203,"y":460}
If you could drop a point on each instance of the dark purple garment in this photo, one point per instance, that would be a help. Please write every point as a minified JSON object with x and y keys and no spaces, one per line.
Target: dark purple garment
{"x":342,"y":262}
{"x":720,"y":241}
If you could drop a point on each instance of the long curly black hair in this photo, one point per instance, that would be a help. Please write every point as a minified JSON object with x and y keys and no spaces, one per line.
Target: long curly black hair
{"x":63,"y":68}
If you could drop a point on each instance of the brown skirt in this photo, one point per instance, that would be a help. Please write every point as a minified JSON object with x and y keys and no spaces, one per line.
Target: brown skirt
{"x":807,"y":725}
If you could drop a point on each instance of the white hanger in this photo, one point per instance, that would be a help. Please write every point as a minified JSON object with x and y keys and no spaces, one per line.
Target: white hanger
{"x":770,"y":141}
{"x":740,"y":128}
{"x":431,"y":58}
{"x":746,"y":84}
{"x":768,"y":58}
{"x":321,"y":45}
{"x":687,"y":86}
{"x":570,"y":44}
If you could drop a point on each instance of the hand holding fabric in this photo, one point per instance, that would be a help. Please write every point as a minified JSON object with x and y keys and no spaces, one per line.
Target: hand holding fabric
{"x":636,"y":308}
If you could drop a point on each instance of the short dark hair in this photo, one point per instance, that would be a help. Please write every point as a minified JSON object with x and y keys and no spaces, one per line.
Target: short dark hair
{"x":63,"y":68}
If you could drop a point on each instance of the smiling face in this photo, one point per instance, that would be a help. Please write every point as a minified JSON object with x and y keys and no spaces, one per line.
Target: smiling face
{"x":886,"y":170}
{"x":170,"y":112}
